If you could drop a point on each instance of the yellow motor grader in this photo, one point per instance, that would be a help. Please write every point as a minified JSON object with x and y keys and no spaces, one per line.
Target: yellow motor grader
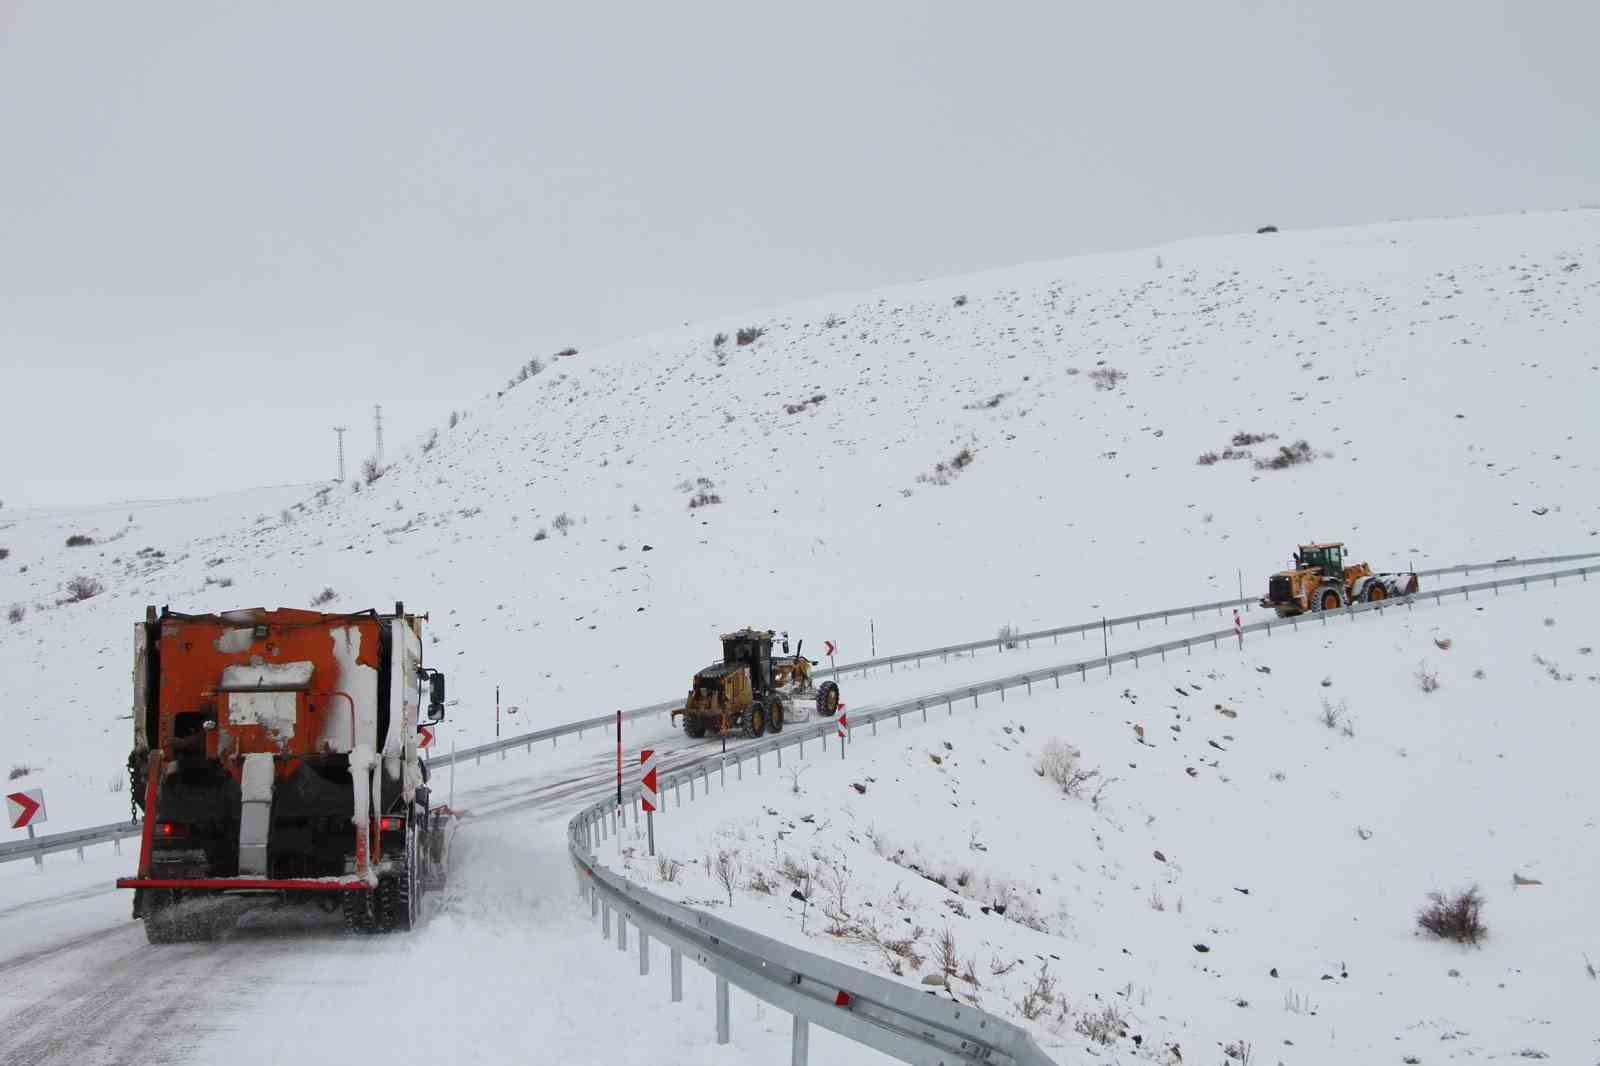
{"x":1320,"y":580}
{"x":753,"y":691}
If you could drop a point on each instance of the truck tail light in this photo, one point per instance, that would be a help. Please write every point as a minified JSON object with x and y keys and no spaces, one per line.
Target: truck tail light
{"x":171,"y":830}
{"x":385,"y":824}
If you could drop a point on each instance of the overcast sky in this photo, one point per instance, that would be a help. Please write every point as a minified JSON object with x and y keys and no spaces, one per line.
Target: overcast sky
{"x":226,"y":227}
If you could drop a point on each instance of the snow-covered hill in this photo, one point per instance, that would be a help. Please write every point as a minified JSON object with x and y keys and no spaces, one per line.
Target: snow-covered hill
{"x":917,"y":465}
{"x":1240,"y":864}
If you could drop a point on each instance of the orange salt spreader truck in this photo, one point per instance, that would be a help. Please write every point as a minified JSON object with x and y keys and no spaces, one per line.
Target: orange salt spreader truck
{"x":278,"y":753}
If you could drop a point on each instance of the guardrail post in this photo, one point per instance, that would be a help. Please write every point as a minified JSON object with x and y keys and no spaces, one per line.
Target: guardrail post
{"x":800,"y":1046}
{"x":80,"y":854}
{"x":722,"y":1010}
{"x":1002,"y":695}
{"x":974,"y":699}
{"x":802,"y":747}
{"x":605,"y":920}
{"x":622,"y":931}
{"x":758,"y":763}
{"x":644,"y":952}
{"x":738,"y":767}
{"x":676,"y":969}
{"x":594,"y":902}
{"x":1029,"y":682}
{"x":691,"y":788}
{"x":874,"y":727}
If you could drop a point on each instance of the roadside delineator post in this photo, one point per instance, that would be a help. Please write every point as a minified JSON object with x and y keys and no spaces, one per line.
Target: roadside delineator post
{"x":647,"y":793}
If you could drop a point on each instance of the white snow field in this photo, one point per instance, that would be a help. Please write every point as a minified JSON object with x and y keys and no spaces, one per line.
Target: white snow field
{"x":959,"y":456}
{"x":1236,"y":871}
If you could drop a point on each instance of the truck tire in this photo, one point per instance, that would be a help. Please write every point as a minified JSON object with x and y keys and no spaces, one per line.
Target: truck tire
{"x":694,"y":728}
{"x":1327,"y":598}
{"x":775,"y":714}
{"x":754,"y":719}
{"x":1376,"y":591}
{"x":827,"y":699}
{"x":358,"y":911}
{"x":160,"y":925}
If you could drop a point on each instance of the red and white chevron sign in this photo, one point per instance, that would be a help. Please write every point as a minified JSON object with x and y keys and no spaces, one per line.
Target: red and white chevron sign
{"x":25,"y":808}
{"x":844,"y":721}
{"x":647,"y":779}
{"x":1238,"y":627}
{"x":829,"y":646}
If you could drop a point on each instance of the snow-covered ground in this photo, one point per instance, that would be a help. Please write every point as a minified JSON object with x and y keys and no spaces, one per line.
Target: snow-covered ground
{"x":1237,"y":871}
{"x":907,"y":468}
{"x":1443,"y":372}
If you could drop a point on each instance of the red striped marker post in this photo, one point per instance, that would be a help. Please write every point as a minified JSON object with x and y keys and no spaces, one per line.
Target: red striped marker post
{"x":647,"y":792}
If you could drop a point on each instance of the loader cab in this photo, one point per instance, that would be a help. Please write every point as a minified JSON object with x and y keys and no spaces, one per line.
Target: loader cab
{"x":1328,"y":558}
{"x":750,"y":648}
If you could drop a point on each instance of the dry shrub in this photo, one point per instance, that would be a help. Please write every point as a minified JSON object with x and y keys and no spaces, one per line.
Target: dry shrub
{"x":1102,"y":1026}
{"x":1059,"y":762}
{"x":371,"y":469}
{"x":1207,"y":459}
{"x":1288,"y":455}
{"x":326,"y":596}
{"x":1039,"y":995}
{"x":1427,"y":680}
{"x":1457,"y":917}
{"x":79,"y":540}
{"x":1106,"y":378}
{"x":749,"y":335}
{"x":83,"y":588}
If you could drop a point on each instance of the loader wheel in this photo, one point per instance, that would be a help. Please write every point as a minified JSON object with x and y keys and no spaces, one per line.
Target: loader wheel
{"x":694,"y":727}
{"x":755,"y":720}
{"x":828,"y":699}
{"x":775,"y":715}
{"x":1377,"y":591}
{"x":1329,"y":600}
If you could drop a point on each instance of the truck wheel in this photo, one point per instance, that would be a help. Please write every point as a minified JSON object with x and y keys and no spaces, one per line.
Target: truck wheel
{"x":1376,"y":591}
{"x":160,"y":927}
{"x":755,"y":720}
{"x":775,"y":715}
{"x":1328,"y":599}
{"x":358,"y":912}
{"x":694,"y":728}
{"x":828,"y":699}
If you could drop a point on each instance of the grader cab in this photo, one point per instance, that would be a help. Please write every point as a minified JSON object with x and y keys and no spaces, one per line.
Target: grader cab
{"x":1320,"y":579}
{"x":751,"y":690}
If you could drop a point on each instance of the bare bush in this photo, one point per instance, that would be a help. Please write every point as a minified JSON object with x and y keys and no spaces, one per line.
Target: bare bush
{"x":1207,"y":459}
{"x":1457,"y":917}
{"x":832,"y":322}
{"x":1240,"y":1051}
{"x":371,"y":469}
{"x":1103,"y":1026}
{"x":5,"y":553}
{"x":944,"y":473}
{"x":749,"y":335}
{"x":79,"y":540}
{"x":814,"y":401}
{"x":948,"y":957}
{"x":760,"y":882}
{"x":17,"y":613}
{"x":1007,"y":635}
{"x":1106,"y":378}
{"x":561,"y":523}
{"x":1059,"y":762}
{"x":22,"y":769}
{"x":431,"y":443}
{"x":327,"y":595}
{"x":1243,"y":439}
{"x":703,"y":499}
{"x":1427,"y":680}
{"x":961,"y":301}
{"x":1288,"y":455}
{"x":566,"y":353}
{"x":542,"y":535}
{"x":727,"y":872}
{"x":668,"y":869}
{"x":719,"y":340}
{"x":83,"y":588}
{"x":1040,"y":995}
{"x":455,"y":419}
{"x":1333,"y":714}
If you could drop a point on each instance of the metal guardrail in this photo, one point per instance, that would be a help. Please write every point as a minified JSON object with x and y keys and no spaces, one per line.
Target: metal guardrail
{"x":45,"y":844}
{"x":896,"y":1019}
{"x":71,"y":840}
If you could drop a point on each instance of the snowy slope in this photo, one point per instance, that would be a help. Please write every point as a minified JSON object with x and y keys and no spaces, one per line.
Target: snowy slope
{"x":1240,"y":872}
{"x":1441,"y":372}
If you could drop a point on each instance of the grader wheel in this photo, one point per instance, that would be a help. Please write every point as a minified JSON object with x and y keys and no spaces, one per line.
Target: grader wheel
{"x":774,"y":714}
{"x":755,"y":720}
{"x":827,"y":699}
